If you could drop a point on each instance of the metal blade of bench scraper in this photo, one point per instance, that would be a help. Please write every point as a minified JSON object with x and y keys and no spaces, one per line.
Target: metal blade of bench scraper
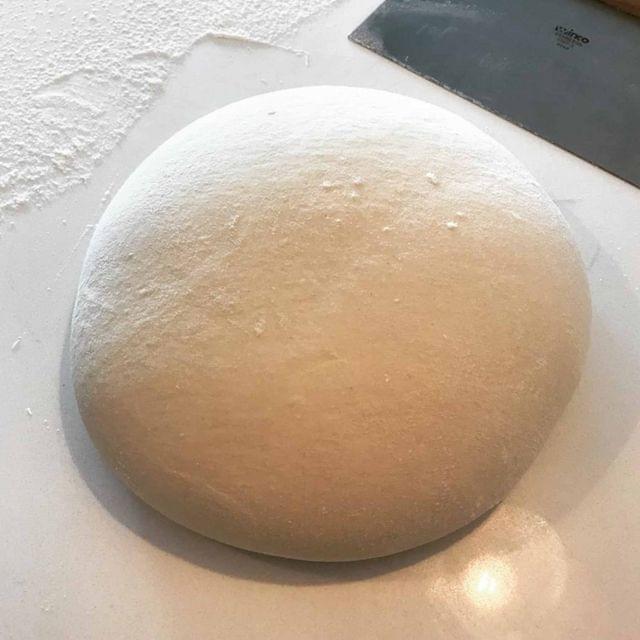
{"x":566,"y":70}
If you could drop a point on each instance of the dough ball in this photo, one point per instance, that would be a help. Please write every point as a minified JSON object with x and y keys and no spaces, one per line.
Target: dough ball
{"x":327,"y":323}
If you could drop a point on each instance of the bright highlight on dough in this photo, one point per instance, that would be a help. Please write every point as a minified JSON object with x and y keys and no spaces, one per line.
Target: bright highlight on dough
{"x":327,"y":323}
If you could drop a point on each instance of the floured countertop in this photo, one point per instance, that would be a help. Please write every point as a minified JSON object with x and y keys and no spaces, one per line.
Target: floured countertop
{"x":82,"y":104}
{"x":77,"y":75}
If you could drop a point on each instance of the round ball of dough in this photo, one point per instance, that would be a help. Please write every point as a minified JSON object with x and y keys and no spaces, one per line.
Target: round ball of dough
{"x":327,"y":323}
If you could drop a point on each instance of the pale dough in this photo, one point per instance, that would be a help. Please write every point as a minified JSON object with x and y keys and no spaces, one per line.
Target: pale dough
{"x":327,"y":323}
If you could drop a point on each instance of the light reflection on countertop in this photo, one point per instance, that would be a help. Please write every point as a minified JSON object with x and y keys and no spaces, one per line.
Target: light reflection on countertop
{"x":489,"y":582}
{"x":511,"y":568}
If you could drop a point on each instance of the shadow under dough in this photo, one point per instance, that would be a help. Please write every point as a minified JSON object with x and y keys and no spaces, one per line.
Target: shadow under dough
{"x":600,"y":419}
{"x":151,"y":525}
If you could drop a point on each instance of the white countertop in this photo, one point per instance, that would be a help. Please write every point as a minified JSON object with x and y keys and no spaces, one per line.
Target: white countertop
{"x":81,"y":558}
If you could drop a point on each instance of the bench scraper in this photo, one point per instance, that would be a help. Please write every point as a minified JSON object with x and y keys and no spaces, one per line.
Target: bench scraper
{"x":566,"y":70}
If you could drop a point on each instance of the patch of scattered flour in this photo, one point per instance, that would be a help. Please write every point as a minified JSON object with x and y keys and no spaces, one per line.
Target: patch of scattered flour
{"x":77,"y":74}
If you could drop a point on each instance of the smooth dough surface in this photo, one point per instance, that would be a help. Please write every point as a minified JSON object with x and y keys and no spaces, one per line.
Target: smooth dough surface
{"x":327,"y":323}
